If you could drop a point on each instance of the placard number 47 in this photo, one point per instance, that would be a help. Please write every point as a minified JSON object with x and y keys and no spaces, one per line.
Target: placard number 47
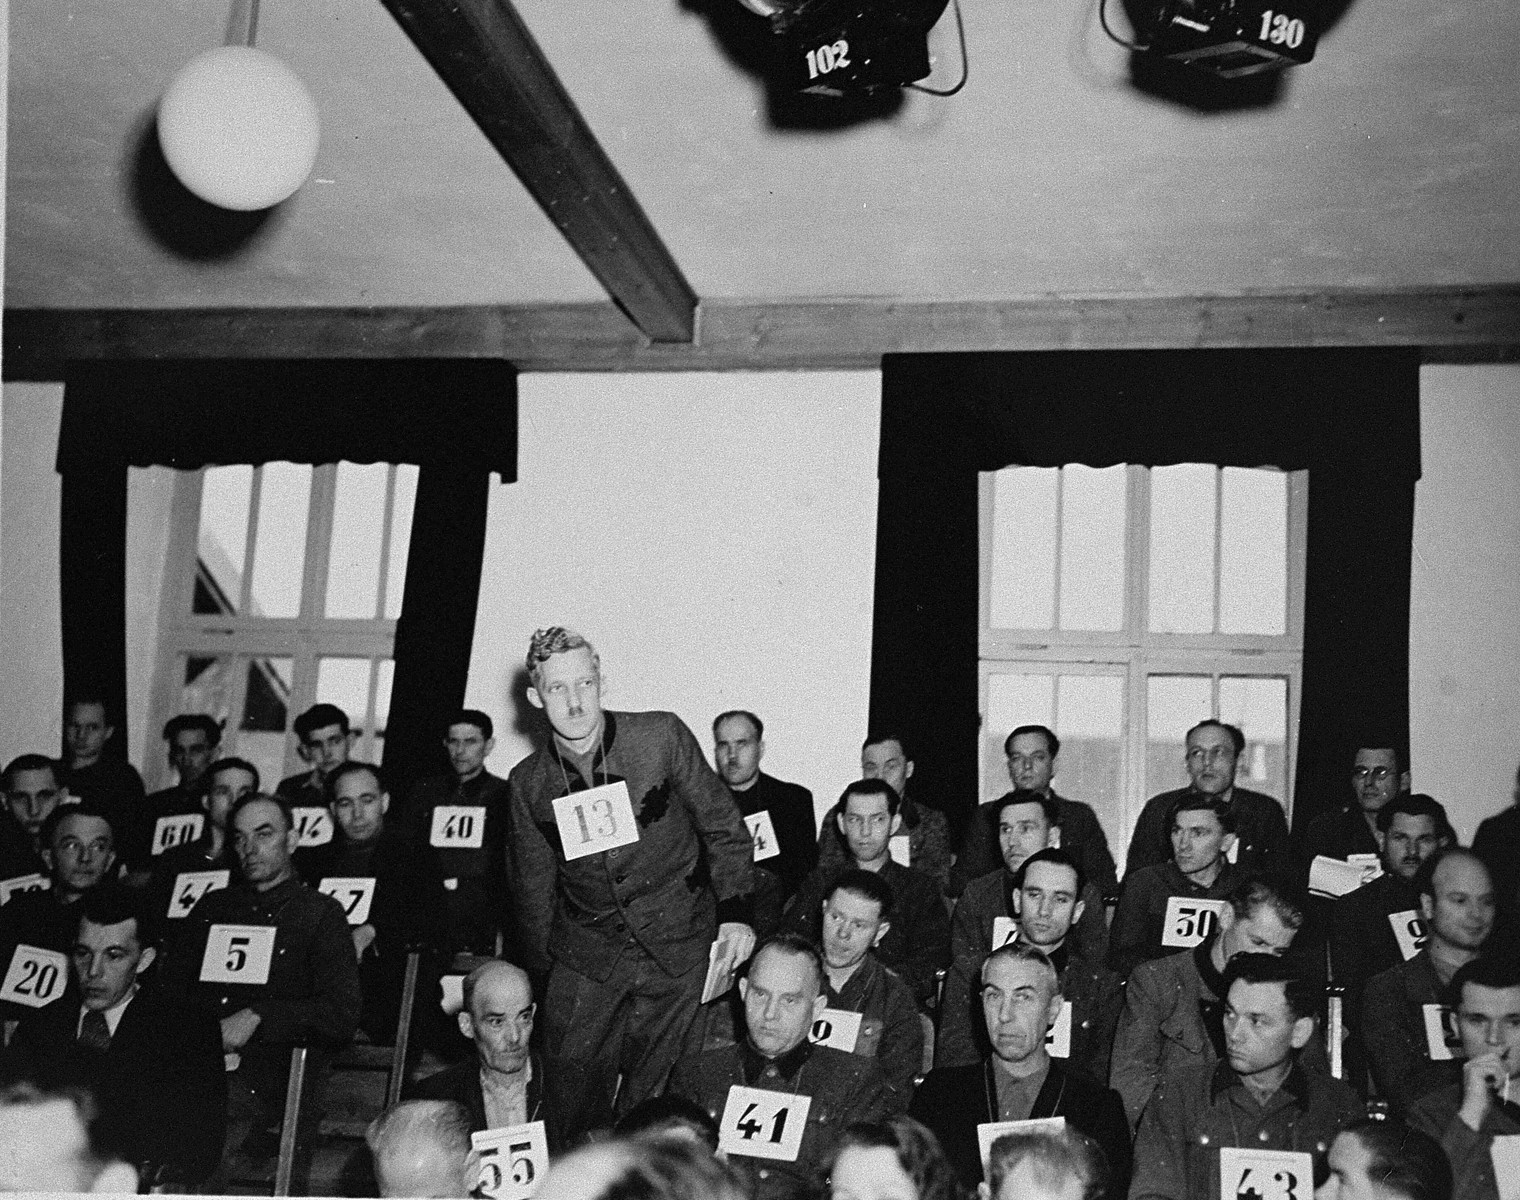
{"x":1281,"y":30}
{"x":830,"y":58}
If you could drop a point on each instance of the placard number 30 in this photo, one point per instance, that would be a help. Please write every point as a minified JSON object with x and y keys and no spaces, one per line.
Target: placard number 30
{"x":830,"y":58}
{"x":1281,"y":30}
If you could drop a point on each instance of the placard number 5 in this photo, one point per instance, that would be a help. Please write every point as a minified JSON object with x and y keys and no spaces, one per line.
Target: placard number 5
{"x":830,"y":58}
{"x":606,"y":825}
{"x":1287,"y":1180}
{"x":1281,"y":30}
{"x":237,"y":956}
{"x":749,"y":1128}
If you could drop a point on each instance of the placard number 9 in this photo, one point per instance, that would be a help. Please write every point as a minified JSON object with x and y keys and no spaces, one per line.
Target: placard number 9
{"x":830,"y":58}
{"x":1281,"y":30}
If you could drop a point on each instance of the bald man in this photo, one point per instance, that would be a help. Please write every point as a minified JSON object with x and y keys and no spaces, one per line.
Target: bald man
{"x":422,"y":1148}
{"x":507,"y":1083}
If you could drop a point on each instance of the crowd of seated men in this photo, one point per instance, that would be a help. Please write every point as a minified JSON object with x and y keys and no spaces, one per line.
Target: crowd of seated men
{"x":672,"y":981}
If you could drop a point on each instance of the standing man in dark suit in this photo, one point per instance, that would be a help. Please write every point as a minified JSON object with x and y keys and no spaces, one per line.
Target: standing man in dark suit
{"x":787,"y":808}
{"x":153,"y":1062}
{"x":111,"y":783}
{"x":1019,"y":1081}
{"x":628,"y":857}
{"x":463,"y":817}
{"x":506,"y":1083}
{"x":32,"y":791}
{"x":324,"y":742}
{"x":193,"y":739}
{"x":1213,"y":750}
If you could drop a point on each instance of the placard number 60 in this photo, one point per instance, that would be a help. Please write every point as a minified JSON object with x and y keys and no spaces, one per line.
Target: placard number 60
{"x":1281,"y":30}
{"x":830,"y":58}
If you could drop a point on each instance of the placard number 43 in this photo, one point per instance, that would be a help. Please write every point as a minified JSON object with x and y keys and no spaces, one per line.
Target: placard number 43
{"x":1281,"y":30}
{"x":830,"y":58}
{"x":1287,"y":1188}
{"x":748,"y":1128}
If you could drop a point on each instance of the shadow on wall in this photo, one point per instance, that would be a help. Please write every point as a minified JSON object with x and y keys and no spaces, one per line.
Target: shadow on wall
{"x":526,"y":720}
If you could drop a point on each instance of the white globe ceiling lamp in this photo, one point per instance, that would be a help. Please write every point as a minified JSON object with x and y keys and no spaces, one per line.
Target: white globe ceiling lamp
{"x":238,"y":127}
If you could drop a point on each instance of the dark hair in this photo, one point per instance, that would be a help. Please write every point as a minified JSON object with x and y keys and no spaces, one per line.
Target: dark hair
{"x":866,"y":884}
{"x":29,"y":762}
{"x":231,"y":764}
{"x":1303,"y":1000}
{"x":870,"y":787}
{"x":1055,"y":856}
{"x":473,"y":716}
{"x":85,"y":808}
{"x":1490,"y":971}
{"x":1425,"y":877}
{"x":319,"y":716}
{"x":745,"y":714}
{"x":791,"y":943}
{"x":1191,"y":801}
{"x":1052,"y":743}
{"x":280,"y":802}
{"x":876,"y":737}
{"x":1256,"y":891}
{"x":111,"y":904}
{"x":1048,"y":806}
{"x":1055,"y":1156}
{"x":1237,"y":739}
{"x":1405,"y":1161}
{"x":659,"y":1113}
{"x":188,"y":722}
{"x":917,"y":1149}
{"x":1417,"y":804}
{"x":343,"y":771}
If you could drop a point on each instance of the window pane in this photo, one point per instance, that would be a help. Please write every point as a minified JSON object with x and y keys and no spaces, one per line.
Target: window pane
{"x":206,"y":686}
{"x":353,"y":564}
{"x":1253,"y":549}
{"x":1092,"y":547}
{"x":385,"y":671}
{"x":1174,"y":704}
{"x":1023,"y":548}
{"x":1182,"y":549}
{"x":1012,"y":700}
{"x":222,"y":541}
{"x":1090,"y":723}
{"x":401,"y":537}
{"x":266,"y":714}
{"x":345,"y":682}
{"x":1259,"y":706}
{"x":279,"y":554}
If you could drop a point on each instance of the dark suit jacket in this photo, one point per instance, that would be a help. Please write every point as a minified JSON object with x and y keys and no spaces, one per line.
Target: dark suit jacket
{"x":953,"y":1101}
{"x":1082,"y":837}
{"x":1260,"y":827}
{"x":476,"y":901}
{"x":1393,"y":1031}
{"x":161,"y":1085}
{"x":791,"y":808}
{"x":569,"y":1101}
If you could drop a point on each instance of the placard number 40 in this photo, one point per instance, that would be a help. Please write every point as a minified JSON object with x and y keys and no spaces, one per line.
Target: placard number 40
{"x":1281,"y":30}
{"x":830,"y":58}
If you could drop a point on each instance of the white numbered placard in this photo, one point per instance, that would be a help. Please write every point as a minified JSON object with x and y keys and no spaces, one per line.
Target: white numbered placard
{"x":1442,"y":1041}
{"x":177,"y":830}
{"x":762,"y":833}
{"x":1246,"y":1174}
{"x":989,"y":1131}
{"x":1232,"y":855}
{"x":595,"y":820}
{"x":761,"y":1124}
{"x":1058,"y":1037}
{"x":9,"y":888}
{"x":1408,"y":931}
{"x":1004,"y":930}
{"x":458,"y":827}
{"x":314,"y":825}
{"x":355,"y":895}
{"x":1189,"y":922}
{"x":238,"y":954}
{"x":190,"y":886}
{"x":837,"y":1029}
{"x":36,"y":977}
{"x":1505,"y":1153}
{"x":897,"y":847}
{"x":512,"y":1160}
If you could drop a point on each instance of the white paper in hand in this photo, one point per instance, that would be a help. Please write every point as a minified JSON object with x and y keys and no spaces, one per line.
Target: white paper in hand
{"x":721,"y":966}
{"x":1332,"y":877}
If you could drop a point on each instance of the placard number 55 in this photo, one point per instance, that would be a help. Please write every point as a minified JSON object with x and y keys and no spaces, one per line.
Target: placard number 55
{"x":828,"y":58}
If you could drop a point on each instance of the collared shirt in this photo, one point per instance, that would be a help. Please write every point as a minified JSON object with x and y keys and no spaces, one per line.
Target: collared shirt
{"x":1016,"y":1094}
{"x":788,"y":1066}
{"x":506,"y":1096}
{"x":113,"y":1014}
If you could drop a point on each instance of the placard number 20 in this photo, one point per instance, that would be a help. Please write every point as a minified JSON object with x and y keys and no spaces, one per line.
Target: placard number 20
{"x":1281,"y":30}
{"x":829,"y":58}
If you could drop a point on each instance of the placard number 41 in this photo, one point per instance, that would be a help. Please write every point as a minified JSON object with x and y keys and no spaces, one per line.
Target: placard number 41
{"x":830,"y":58}
{"x":1281,"y":30}
{"x":748,"y":1127}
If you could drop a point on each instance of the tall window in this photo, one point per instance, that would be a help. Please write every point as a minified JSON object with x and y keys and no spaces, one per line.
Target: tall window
{"x":281,"y":590}
{"x":1121,"y":605}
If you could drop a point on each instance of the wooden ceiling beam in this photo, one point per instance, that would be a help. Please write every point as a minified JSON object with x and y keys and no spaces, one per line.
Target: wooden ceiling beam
{"x":1450,"y":323}
{"x":485,"y":54}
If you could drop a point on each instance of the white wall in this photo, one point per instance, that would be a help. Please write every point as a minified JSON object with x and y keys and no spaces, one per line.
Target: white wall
{"x":713,"y":535}
{"x":1464,"y":653}
{"x":150,"y":492}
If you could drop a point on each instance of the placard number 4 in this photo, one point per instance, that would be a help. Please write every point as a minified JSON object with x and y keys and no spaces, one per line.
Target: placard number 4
{"x":1281,"y":30}
{"x":750,"y":1128}
{"x":1289,"y":1189}
{"x":830,"y":58}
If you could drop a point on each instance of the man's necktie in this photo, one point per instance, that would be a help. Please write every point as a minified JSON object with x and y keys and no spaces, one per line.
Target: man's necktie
{"x":94,"y":1032}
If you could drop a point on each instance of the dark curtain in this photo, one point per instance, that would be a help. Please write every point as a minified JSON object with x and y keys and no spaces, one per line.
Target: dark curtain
{"x":457,"y":420}
{"x":1349,"y":417}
